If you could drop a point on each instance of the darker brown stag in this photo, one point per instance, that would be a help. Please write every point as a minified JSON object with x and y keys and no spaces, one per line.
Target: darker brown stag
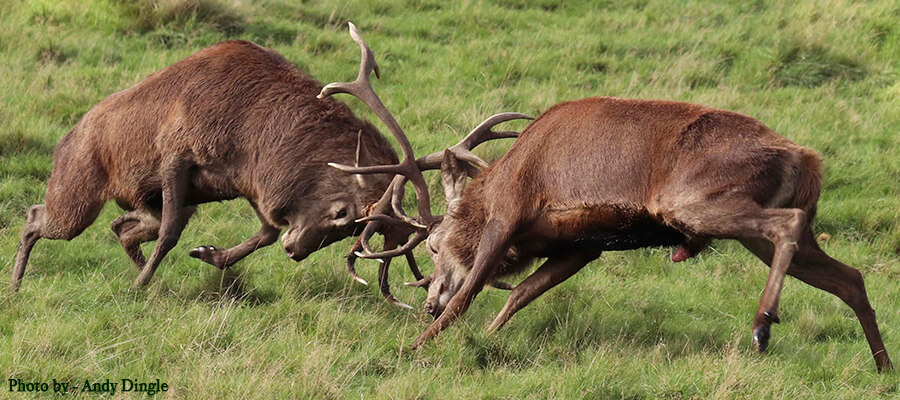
{"x":232,"y":120}
{"x":604,"y":174}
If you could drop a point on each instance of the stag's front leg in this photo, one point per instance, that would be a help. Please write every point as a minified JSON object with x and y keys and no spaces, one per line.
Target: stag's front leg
{"x":553,"y":272}
{"x":224,"y":258}
{"x":492,"y":247}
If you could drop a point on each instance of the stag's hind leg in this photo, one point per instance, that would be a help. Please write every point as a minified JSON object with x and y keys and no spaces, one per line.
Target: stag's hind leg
{"x":813,"y":266}
{"x":134,"y":228}
{"x":140,"y":226}
{"x":741,"y":218}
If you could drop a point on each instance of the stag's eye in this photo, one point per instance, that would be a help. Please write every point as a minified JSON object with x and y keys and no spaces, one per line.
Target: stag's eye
{"x":341,"y":214}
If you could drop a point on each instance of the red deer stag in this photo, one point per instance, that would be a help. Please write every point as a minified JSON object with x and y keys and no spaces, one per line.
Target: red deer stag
{"x":604,"y":174}
{"x":232,"y":120}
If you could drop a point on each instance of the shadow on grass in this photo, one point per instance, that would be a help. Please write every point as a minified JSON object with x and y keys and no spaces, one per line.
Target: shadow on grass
{"x":16,"y":143}
{"x":229,"y":285}
{"x":568,"y":327}
{"x":338,"y":286}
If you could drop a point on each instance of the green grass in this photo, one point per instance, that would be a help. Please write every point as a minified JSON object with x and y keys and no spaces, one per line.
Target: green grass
{"x":631,"y":325}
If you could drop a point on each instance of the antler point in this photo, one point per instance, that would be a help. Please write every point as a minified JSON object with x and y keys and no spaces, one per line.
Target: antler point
{"x":360,"y":280}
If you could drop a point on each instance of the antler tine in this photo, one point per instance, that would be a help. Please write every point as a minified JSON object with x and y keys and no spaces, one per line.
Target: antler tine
{"x":385,"y":286}
{"x":483,"y":132}
{"x":367,"y":234}
{"x":422,"y":283}
{"x":419,"y":236}
{"x":361,"y":88}
{"x":367,"y":64}
{"x":479,"y":135}
{"x":413,"y":266}
{"x":383,"y":283}
{"x":397,"y":193}
{"x":351,"y":262}
{"x":383,"y":218}
{"x":379,"y":215}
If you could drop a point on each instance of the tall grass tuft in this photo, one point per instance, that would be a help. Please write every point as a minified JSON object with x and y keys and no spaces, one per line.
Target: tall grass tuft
{"x":812,"y":66}
{"x":151,"y":15}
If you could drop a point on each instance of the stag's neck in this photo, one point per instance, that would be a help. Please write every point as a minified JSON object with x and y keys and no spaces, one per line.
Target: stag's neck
{"x":465,"y":225}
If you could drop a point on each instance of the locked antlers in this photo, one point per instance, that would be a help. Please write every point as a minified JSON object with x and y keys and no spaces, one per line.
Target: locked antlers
{"x":388,"y":215}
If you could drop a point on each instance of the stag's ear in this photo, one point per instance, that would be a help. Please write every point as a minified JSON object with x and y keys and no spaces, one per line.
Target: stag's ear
{"x":359,"y":155}
{"x":366,"y":156}
{"x":453,"y":176}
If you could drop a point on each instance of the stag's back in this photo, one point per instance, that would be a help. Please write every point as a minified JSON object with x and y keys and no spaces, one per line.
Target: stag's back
{"x":637,"y":153}
{"x":240,"y":110}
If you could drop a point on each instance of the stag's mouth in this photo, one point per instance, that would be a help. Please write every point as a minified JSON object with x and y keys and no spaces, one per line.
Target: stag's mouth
{"x":296,"y":255}
{"x":434,"y":310}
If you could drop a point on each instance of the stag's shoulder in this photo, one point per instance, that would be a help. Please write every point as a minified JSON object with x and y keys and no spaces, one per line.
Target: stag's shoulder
{"x":683,"y":118}
{"x":243,"y":61}
{"x":238,"y":50}
{"x":620,"y":105}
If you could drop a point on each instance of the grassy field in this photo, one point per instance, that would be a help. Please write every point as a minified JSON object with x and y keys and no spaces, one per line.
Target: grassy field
{"x":631,"y":325}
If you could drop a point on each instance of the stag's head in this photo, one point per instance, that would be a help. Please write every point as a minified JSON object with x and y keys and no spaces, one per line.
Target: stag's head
{"x":335,"y":200}
{"x":318,"y":226}
{"x":457,"y":163}
{"x":452,"y":258}
{"x":453,"y":243}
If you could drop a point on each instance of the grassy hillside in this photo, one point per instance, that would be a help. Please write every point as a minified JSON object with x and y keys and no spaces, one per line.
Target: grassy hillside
{"x":631,"y":325}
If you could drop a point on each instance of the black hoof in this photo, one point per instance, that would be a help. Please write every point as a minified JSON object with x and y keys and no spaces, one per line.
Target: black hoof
{"x":202,"y":252}
{"x":208,"y":254}
{"x":761,"y":338}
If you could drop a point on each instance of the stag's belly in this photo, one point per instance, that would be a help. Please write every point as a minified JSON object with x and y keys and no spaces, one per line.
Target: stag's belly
{"x":635,"y":237}
{"x":203,"y":187}
{"x":597,"y":227}
{"x":207,"y":186}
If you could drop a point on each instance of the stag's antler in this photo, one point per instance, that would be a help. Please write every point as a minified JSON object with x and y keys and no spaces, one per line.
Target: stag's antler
{"x":361,"y":88}
{"x":396,"y":191}
{"x":482,"y":133}
{"x":408,"y":169}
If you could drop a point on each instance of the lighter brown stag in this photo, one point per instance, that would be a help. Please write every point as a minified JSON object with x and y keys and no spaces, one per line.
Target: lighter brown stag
{"x":607,"y":173}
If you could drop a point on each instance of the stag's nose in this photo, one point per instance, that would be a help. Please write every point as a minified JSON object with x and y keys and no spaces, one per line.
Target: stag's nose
{"x":291,"y":254}
{"x":435,"y":312}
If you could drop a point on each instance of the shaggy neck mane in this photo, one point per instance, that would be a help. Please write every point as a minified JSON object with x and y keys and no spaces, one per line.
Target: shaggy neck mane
{"x":466,"y":227}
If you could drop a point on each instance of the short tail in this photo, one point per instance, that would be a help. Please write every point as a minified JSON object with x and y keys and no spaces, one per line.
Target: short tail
{"x":809,"y":184}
